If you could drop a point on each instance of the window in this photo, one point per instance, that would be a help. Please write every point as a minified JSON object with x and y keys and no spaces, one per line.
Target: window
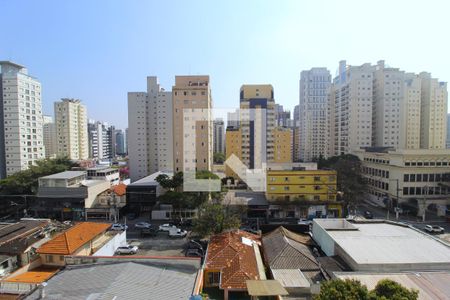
{"x":406,"y":177}
{"x":405,"y":191}
{"x":286,"y":178}
{"x":214,"y":278}
{"x":50,"y":258}
{"x":412,"y":177}
{"x":316,"y":178}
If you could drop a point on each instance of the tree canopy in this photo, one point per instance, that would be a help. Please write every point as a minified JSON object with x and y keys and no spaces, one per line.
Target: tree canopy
{"x":26,"y":182}
{"x":214,"y":219}
{"x":385,"y":289}
{"x":349,"y":178}
{"x":218,"y":158}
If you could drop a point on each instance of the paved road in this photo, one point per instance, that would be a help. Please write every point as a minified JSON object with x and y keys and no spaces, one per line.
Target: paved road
{"x":380,"y":213}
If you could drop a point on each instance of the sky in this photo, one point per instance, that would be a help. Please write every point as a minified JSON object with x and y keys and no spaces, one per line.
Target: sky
{"x":98,"y":51}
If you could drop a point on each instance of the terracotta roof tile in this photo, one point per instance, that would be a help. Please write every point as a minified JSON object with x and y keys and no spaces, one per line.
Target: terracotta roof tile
{"x":119,"y":189}
{"x":37,"y":275}
{"x":68,"y":242}
{"x":236,"y":260}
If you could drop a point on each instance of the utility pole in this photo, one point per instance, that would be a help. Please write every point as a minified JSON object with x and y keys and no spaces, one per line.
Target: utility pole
{"x":396,"y":208}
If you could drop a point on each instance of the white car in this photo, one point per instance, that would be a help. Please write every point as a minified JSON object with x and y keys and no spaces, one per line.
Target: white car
{"x":119,"y":227}
{"x":177,"y":233}
{"x":434,"y":229}
{"x":127,"y":249}
{"x":167,"y":227}
{"x":142,"y":225}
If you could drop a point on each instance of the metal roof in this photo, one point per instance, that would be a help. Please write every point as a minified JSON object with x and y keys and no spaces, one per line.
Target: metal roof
{"x":65,"y":175}
{"x":265,"y":288}
{"x":150,"y":179}
{"x":121,"y":280}
{"x":290,"y":278}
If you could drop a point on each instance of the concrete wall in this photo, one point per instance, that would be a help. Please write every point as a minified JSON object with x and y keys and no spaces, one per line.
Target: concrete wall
{"x":111,"y":246}
{"x":323,"y":239}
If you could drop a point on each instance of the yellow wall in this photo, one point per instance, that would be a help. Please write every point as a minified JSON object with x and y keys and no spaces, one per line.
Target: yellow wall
{"x":257,"y":91}
{"x":233,"y":143}
{"x":308,"y":185}
{"x":282,"y":145}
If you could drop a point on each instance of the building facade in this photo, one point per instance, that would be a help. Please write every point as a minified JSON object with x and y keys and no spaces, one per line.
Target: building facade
{"x":257,"y":121}
{"x":21,"y":136}
{"x":414,"y":178}
{"x":448,"y":131}
{"x":192,"y":124}
{"x":282,"y":145}
{"x":101,"y":144}
{"x":119,"y":142}
{"x":149,"y":134}
{"x":219,"y":136}
{"x":313,"y":113}
{"x":233,"y":146}
{"x":71,"y":129}
{"x":433,"y":123}
{"x":49,"y":135}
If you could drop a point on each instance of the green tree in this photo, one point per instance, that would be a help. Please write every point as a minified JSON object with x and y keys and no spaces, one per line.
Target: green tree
{"x":218,"y":158}
{"x":348,"y":289}
{"x":214,"y":219}
{"x":349,"y":177}
{"x":389,"y":289}
{"x":26,"y":182}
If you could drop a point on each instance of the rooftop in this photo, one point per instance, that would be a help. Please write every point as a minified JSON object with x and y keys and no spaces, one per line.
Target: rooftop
{"x":233,"y":253}
{"x":150,"y":179}
{"x":385,"y":245}
{"x":284,"y":249}
{"x":37,"y":275}
{"x":68,"y":242}
{"x":121,"y":280}
{"x":16,"y":237}
{"x":236,"y":197}
{"x":65,"y":175}
{"x":431,"y":285}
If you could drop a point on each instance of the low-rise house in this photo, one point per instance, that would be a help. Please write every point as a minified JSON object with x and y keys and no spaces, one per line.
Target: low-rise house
{"x":233,"y":258}
{"x":108,"y":204}
{"x":291,"y":261}
{"x":18,"y":243}
{"x":66,"y":195}
{"x":82,"y":239}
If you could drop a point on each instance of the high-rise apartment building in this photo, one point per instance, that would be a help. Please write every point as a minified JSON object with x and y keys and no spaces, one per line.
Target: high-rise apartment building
{"x":233,"y":141}
{"x":49,"y":136}
{"x":192,"y":124}
{"x":282,"y":116}
{"x":257,"y":121}
{"x":233,"y":119}
{"x":21,"y":137}
{"x":313,"y":113}
{"x":101,"y":144}
{"x":119,"y":144}
{"x":282,"y":145}
{"x":149,"y":132}
{"x":219,"y":136}
{"x":448,"y":131}
{"x":296,"y":116}
{"x":351,"y":99}
{"x":71,"y":129}
{"x":433,"y":114}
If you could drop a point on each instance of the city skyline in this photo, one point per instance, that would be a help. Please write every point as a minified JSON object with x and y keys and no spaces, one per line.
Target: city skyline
{"x":116,"y":55}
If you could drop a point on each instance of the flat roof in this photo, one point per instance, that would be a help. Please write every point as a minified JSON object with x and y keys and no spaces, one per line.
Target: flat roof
{"x":37,"y":275}
{"x":385,"y":243}
{"x":244,"y":197}
{"x":7,"y":62}
{"x":265,"y":288}
{"x":431,"y":285}
{"x":150,"y":179}
{"x":65,"y":175}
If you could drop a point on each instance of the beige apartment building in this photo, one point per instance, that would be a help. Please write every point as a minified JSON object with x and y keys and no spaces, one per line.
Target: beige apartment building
{"x":192,"y":124}
{"x":21,"y":141}
{"x":49,"y":134}
{"x":150,"y":121}
{"x":71,"y":129}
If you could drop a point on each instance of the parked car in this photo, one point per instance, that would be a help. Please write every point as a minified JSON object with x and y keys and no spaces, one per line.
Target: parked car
{"x":194,"y":252}
{"x":368,"y":215}
{"x":304,"y":222}
{"x":167,"y":227}
{"x":119,"y":227}
{"x":433,"y":229}
{"x":127,"y":249}
{"x":149,"y":232}
{"x":177,"y":233}
{"x":142,"y":225}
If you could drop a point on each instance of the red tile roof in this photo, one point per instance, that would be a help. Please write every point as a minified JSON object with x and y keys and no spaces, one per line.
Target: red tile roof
{"x":119,"y":189}
{"x":235,"y":260}
{"x":71,"y":240}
